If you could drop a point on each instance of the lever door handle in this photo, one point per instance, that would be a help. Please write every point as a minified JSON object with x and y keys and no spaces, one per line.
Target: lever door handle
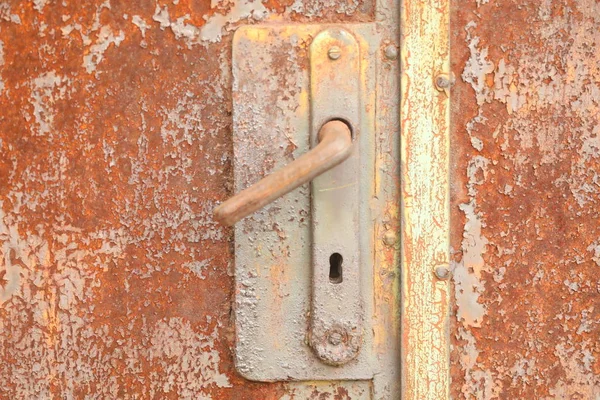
{"x":335,"y":145}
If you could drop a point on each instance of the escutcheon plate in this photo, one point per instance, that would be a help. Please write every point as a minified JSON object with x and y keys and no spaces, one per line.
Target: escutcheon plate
{"x":272,"y":125}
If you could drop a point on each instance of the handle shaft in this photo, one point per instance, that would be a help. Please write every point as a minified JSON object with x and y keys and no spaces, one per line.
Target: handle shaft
{"x":335,"y":145}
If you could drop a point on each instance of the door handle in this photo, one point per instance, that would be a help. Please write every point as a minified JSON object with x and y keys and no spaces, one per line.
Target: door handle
{"x":334,"y":146}
{"x":323,"y":262}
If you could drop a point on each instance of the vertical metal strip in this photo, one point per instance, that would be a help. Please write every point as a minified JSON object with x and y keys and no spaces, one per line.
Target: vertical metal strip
{"x":424,"y":113}
{"x":385,"y":205}
{"x":336,"y":328}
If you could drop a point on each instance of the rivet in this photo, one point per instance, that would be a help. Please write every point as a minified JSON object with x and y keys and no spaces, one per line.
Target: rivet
{"x":442,"y":82}
{"x":391,"y":52}
{"x":334,"y":53}
{"x":389,"y":238}
{"x":442,"y":272}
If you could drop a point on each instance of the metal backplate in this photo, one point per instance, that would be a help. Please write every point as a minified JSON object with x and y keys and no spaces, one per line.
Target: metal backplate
{"x":272,"y":125}
{"x":336,"y":310}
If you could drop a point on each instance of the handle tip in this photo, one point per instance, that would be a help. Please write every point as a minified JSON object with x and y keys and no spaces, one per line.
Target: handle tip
{"x":220,"y":215}
{"x":335,"y":145}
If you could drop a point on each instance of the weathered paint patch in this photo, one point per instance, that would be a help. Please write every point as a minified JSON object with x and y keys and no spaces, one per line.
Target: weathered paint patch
{"x":39,"y":5}
{"x":467,"y":273}
{"x":1,"y":66}
{"x":141,"y":24}
{"x":7,"y":15}
{"x":212,"y":29}
{"x":46,"y":90}
{"x":595,"y":249}
{"x":315,"y":8}
{"x":106,"y":37}
{"x":349,"y":390}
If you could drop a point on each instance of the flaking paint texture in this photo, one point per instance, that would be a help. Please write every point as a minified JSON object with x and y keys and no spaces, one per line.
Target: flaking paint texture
{"x":526,"y":199}
{"x":115,"y":143}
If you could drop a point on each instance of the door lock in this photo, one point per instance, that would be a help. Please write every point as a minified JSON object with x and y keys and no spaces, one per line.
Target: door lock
{"x":302,"y":285}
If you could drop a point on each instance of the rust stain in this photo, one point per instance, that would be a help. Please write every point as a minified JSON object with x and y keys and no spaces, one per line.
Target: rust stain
{"x":525,"y":203}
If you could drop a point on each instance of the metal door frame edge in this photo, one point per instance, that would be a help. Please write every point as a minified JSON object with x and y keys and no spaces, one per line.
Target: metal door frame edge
{"x":424,"y":119}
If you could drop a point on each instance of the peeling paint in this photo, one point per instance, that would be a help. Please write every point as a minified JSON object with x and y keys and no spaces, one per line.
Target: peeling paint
{"x":7,"y":15}
{"x":115,"y":281}
{"x":106,"y":37}
{"x":46,"y":89}
{"x":467,"y":273}
{"x":595,"y":248}
{"x":526,"y":155}
{"x":349,"y":390}
{"x":212,"y":30}
{"x":39,"y":5}
{"x":243,"y":9}
{"x":314,"y":8}
{"x":1,"y":65}
{"x":579,"y":380}
{"x":141,"y":24}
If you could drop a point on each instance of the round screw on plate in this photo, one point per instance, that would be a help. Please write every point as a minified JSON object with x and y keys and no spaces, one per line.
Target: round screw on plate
{"x":443,"y":82}
{"x":442,"y":272}
{"x":389,"y":238}
{"x":391,"y":52}
{"x":335,"y":338}
{"x":334,"y":53}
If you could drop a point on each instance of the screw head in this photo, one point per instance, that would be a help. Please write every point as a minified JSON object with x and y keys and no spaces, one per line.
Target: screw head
{"x":334,"y":53}
{"x":391,"y":52}
{"x":335,"y":338}
{"x":442,"y":272}
{"x":389,"y":238}
{"x":442,"y":82}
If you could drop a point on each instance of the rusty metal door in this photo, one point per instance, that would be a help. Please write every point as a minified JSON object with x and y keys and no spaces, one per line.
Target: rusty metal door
{"x":120,"y":131}
{"x":117,"y":144}
{"x":526,"y":147}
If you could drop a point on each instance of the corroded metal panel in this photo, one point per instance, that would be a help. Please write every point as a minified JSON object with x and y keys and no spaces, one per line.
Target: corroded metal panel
{"x":526,"y":199}
{"x":115,"y":139}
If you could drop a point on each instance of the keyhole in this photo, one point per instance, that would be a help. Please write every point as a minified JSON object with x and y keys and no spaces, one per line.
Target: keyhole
{"x":335,"y":268}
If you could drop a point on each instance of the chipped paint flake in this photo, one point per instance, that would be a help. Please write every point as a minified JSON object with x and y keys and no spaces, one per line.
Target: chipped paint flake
{"x":95,"y":54}
{"x":141,"y":24}
{"x":46,"y":89}
{"x":477,"y":66}
{"x":7,"y":15}
{"x":212,"y":30}
{"x":595,"y":249}
{"x":39,"y":5}
{"x":467,"y":273}
{"x":242,"y":9}
{"x":1,"y":66}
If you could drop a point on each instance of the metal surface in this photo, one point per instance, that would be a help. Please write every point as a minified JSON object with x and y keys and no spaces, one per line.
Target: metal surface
{"x":334,"y":145}
{"x":526,"y":199}
{"x":425,"y":139}
{"x":336,"y":314}
{"x":274,"y":286}
{"x":116,"y":143}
